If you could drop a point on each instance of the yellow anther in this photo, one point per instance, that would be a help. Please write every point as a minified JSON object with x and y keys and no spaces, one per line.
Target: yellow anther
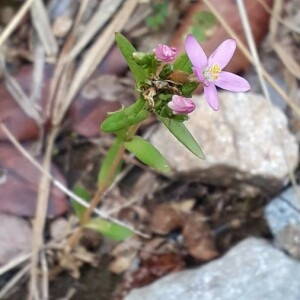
{"x":212,"y":73}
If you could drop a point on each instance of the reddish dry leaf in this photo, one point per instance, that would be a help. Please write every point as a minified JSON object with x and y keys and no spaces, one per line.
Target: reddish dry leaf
{"x":156,"y":266}
{"x":86,"y":114}
{"x":101,"y":94}
{"x":198,"y":238}
{"x":21,"y":126}
{"x":259,"y":20}
{"x":19,"y":185}
{"x":15,"y":237}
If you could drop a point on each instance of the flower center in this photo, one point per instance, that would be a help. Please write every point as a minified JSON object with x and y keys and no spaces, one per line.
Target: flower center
{"x":212,"y":73}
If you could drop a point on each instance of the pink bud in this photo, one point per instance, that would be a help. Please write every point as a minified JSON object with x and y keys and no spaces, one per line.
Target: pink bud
{"x":164,"y":53}
{"x":181,"y":105}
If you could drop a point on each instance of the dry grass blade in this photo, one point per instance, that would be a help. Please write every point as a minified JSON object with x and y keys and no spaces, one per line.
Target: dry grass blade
{"x":282,"y":21}
{"x":106,"y":9}
{"x":41,"y":212}
{"x":286,"y":59}
{"x":246,"y":52}
{"x":42,"y":26}
{"x":15,"y":21}
{"x":14,"y":263}
{"x":258,"y":67}
{"x":45,"y":275}
{"x":63,"y":68}
{"x":38,"y":73}
{"x":94,"y":56}
{"x":14,"y":281}
{"x":284,"y":55}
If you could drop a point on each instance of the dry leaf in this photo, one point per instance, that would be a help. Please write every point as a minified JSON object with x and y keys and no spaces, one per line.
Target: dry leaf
{"x":198,"y":238}
{"x":166,"y":219}
{"x":20,"y":184}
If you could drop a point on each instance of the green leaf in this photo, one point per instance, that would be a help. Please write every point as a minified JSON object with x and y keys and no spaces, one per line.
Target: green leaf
{"x":188,"y":88}
{"x":198,"y":33}
{"x":183,"y":63}
{"x":124,"y":118}
{"x":115,"y":122}
{"x":183,"y":135}
{"x":84,"y":194}
{"x":127,"y":50}
{"x":147,"y":153}
{"x":110,"y":230}
{"x":104,"y":177}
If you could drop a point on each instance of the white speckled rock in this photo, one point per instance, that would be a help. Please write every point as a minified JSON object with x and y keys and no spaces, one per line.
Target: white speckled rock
{"x":241,"y":142}
{"x":252,"y":270}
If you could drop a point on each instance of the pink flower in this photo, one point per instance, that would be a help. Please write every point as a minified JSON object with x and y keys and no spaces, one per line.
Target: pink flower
{"x":209,"y":71}
{"x":164,"y":53}
{"x":181,"y":105}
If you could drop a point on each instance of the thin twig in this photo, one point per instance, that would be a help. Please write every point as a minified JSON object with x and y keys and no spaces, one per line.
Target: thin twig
{"x":60,"y":186}
{"x":15,"y":21}
{"x":246,"y":52}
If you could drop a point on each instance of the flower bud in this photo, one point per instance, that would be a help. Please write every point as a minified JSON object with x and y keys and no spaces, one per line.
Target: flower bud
{"x":181,"y":105}
{"x":164,"y":53}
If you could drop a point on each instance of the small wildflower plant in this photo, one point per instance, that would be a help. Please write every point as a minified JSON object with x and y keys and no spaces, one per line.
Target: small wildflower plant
{"x":165,"y":82}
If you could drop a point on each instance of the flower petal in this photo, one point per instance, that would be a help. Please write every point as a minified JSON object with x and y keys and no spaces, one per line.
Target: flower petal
{"x":211,"y":96}
{"x":199,"y":74}
{"x":232,"y":82}
{"x":195,"y":52}
{"x":223,"y":54}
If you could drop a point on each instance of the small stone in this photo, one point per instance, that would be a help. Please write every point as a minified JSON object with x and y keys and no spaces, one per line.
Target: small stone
{"x":283,"y":217}
{"x":60,"y":228}
{"x":15,"y":237}
{"x":252,"y":270}
{"x":241,"y":141}
{"x":283,"y":210}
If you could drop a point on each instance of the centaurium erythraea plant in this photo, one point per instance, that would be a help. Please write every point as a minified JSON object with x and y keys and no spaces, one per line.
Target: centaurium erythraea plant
{"x":165,"y":89}
{"x":209,"y":71}
{"x":165,"y":85}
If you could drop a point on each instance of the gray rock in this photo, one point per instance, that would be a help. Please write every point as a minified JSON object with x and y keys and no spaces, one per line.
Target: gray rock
{"x":252,"y":270}
{"x":283,"y":217}
{"x":241,"y":143}
{"x":283,"y":210}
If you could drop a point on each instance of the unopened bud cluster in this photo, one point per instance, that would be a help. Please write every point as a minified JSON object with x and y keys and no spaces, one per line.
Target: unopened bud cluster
{"x":167,"y":90}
